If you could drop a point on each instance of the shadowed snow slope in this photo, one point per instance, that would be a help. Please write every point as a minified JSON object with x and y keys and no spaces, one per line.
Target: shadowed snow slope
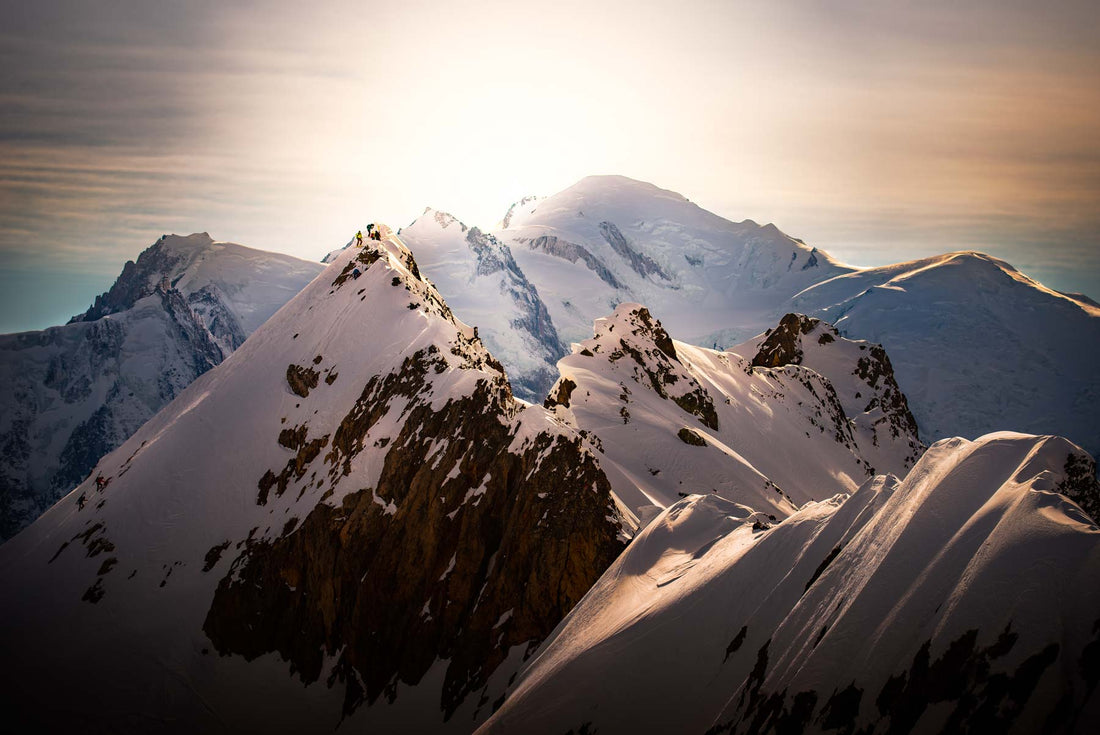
{"x":960,"y":599}
{"x":72,"y":393}
{"x":350,"y":520}
{"x":672,"y":420}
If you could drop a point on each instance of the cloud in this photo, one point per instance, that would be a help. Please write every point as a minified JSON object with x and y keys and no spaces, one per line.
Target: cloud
{"x":881,"y":131}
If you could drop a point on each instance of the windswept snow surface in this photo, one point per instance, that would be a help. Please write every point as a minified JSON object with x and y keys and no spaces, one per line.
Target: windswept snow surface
{"x":672,"y":420}
{"x":960,"y":599}
{"x":74,"y":392}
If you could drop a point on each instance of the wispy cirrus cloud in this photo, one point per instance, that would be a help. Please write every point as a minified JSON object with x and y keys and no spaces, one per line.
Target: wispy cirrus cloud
{"x":879,"y":131}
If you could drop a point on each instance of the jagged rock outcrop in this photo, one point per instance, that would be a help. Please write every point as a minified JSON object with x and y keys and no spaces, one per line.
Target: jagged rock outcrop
{"x":507,"y":221}
{"x":783,"y":345}
{"x":698,"y":420}
{"x":571,"y":251}
{"x":869,"y":395}
{"x":532,"y":316}
{"x":639,"y":262}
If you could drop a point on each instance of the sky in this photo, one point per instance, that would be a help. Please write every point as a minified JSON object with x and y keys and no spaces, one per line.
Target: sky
{"x":878,"y":131}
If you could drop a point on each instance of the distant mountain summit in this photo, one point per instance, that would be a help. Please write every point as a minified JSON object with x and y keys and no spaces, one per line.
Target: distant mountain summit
{"x":977,"y":346}
{"x":484,"y":284}
{"x":73,"y":393}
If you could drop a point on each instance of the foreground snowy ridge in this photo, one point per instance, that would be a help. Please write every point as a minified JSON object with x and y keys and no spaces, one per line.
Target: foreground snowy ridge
{"x":962,"y":598}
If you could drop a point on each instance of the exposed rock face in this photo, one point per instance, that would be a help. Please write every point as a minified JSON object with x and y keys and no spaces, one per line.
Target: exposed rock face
{"x":1080,"y":484}
{"x":573,"y":252}
{"x":301,"y":379}
{"x":218,"y":318}
{"x":687,"y":436}
{"x":647,"y":343}
{"x":876,"y":371}
{"x":478,"y":536}
{"x":783,"y":345}
{"x":507,"y":221}
{"x":639,"y":262}
{"x":871,"y":398}
{"x":565,"y":388}
{"x":136,"y":281}
{"x":532,"y":316}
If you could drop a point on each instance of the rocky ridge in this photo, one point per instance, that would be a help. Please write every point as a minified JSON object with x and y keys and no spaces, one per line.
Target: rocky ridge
{"x":376,"y":517}
{"x":693,"y":420}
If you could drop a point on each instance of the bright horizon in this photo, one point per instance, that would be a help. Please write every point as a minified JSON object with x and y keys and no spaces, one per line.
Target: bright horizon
{"x":877,"y":134}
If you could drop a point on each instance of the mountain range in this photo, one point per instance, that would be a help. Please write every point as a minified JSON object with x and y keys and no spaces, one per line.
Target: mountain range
{"x":591,"y":472}
{"x":977,"y":345}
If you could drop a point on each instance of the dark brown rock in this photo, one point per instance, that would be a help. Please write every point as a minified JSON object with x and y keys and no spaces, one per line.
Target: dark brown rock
{"x":781,"y":347}
{"x":458,"y":557}
{"x":687,"y":436}
{"x":560,"y":396}
{"x":301,"y":379}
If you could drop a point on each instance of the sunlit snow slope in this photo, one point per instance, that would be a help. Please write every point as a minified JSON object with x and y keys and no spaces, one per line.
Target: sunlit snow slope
{"x":772,"y":432}
{"x":962,"y":599}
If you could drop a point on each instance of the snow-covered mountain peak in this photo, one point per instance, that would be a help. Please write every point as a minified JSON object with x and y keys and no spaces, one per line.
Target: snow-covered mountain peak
{"x":609,"y":239}
{"x":693,"y":420}
{"x":360,"y":466}
{"x":525,"y":202}
{"x":251,"y":284}
{"x":977,"y":345}
{"x":74,"y":392}
{"x":443,"y":219}
{"x":635,"y":324}
{"x":862,"y":377}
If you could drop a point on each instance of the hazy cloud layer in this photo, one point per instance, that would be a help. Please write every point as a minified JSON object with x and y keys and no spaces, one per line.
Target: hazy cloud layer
{"x":878,"y":131}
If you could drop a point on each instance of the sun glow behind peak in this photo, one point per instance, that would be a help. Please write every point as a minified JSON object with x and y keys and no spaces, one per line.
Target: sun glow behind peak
{"x":877,"y":133}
